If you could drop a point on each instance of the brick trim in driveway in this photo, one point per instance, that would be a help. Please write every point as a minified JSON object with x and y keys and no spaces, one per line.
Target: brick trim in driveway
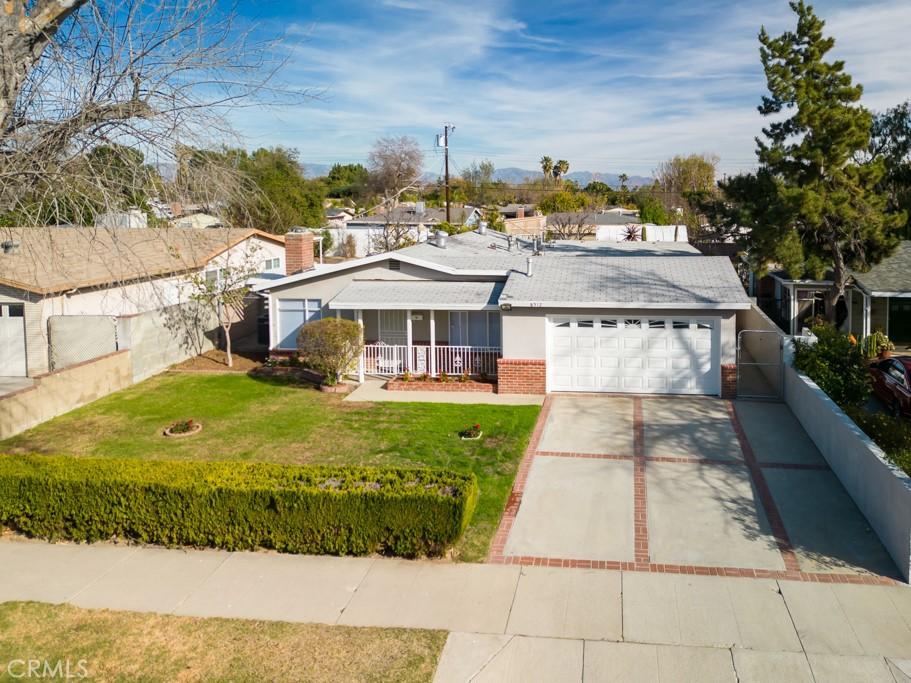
{"x":642,"y":561}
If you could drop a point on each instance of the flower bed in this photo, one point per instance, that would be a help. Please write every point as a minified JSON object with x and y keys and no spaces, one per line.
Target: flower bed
{"x":238,"y":506}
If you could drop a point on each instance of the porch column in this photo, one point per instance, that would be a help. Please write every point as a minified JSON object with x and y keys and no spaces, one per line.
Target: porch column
{"x":850,"y":299}
{"x":408,"y":340}
{"x":359,"y":314}
{"x":865,"y":330}
{"x":792,"y":290}
{"x":433,"y":345}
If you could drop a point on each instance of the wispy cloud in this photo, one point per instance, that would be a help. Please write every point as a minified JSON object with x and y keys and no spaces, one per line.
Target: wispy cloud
{"x":609,"y":86}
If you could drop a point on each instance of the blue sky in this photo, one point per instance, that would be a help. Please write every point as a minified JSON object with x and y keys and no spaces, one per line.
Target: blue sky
{"x":609,"y":86}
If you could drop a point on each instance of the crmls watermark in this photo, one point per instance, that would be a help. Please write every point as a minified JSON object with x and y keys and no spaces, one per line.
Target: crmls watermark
{"x":49,"y":669}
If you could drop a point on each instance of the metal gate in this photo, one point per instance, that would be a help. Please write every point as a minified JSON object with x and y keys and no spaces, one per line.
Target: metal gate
{"x":760,"y":367}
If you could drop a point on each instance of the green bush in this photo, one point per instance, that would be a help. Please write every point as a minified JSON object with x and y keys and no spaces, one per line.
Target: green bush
{"x":330,"y":346}
{"x":238,"y":506}
{"x":836,"y":364}
{"x":892,"y":434}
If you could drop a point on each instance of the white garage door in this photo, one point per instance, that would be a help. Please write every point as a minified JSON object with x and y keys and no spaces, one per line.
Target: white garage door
{"x":634,"y":354}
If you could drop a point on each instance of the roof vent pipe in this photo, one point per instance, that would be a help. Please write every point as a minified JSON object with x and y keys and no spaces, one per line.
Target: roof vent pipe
{"x":482,"y":227}
{"x":528,"y":266}
{"x":441,"y":239}
{"x":510,"y":242}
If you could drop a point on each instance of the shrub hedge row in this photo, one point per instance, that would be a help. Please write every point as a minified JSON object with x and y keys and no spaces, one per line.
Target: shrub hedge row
{"x":297,"y":509}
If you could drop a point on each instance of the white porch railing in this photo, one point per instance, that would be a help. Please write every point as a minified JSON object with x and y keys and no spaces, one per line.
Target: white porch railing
{"x":389,"y":359}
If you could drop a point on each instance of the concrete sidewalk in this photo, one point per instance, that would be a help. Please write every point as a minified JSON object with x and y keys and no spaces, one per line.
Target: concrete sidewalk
{"x":374,"y":390}
{"x":508,"y":622}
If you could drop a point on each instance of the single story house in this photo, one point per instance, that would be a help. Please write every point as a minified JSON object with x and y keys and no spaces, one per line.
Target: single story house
{"x":569,"y":316}
{"x":85,"y":275}
{"x":418,"y":220}
{"x":879,"y":299}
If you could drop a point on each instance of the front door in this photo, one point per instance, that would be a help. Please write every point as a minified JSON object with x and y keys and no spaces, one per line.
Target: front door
{"x":12,"y":340}
{"x":900,"y":321}
{"x":392,"y":328}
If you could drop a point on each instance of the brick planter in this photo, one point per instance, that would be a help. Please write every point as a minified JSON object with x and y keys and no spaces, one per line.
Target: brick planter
{"x":521,"y":376}
{"x":471,"y":386}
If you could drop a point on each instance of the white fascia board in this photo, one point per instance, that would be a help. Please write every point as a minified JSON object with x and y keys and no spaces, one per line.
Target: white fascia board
{"x":890,"y":295}
{"x":375,"y":258}
{"x":412,"y":307}
{"x":626,"y":305}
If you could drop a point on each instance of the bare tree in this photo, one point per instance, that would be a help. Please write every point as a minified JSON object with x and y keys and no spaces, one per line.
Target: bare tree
{"x":146,"y":77}
{"x":571,"y":225}
{"x":395,"y":165}
{"x":223,"y":290}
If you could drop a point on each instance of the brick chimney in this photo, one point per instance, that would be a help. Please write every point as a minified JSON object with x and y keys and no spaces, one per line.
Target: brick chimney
{"x":298,"y":251}
{"x":520,"y":212}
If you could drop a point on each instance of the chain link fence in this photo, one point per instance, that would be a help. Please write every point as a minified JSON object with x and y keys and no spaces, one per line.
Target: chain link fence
{"x":74,"y":339}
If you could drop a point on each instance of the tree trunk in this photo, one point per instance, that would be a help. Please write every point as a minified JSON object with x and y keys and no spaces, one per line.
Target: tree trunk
{"x":227,"y":329}
{"x":839,"y":281}
{"x":24,"y":35}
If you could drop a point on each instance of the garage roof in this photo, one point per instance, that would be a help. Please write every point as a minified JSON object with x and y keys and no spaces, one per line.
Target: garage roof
{"x":624,"y":282}
{"x":418,"y":294}
{"x":892,"y":275}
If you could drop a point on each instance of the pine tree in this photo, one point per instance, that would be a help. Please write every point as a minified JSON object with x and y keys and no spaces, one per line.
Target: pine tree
{"x":813,"y":207}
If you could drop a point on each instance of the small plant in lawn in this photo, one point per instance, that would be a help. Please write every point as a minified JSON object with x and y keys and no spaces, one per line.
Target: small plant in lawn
{"x":330,"y":346}
{"x":471,"y":432}
{"x":183,"y":427}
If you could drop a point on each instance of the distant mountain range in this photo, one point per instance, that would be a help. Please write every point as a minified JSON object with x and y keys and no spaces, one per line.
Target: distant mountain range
{"x":513,"y":175}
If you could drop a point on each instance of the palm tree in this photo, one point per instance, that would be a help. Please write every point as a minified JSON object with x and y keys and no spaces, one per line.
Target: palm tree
{"x":561,"y":168}
{"x":547,"y":166}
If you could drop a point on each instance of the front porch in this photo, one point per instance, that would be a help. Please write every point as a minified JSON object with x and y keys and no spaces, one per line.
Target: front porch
{"x":459,"y":334}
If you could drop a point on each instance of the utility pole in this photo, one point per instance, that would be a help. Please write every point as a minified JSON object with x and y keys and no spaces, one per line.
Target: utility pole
{"x":446,"y":130}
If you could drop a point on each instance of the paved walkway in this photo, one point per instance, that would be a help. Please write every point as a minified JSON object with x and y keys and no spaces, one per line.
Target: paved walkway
{"x":507,"y":622}
{"x":684,"y":485}
{"x":374,"y":390}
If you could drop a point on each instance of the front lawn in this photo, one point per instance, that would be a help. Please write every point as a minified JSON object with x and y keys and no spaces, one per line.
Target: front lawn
{"x":152,"y":647}
{"x":257,"y":420}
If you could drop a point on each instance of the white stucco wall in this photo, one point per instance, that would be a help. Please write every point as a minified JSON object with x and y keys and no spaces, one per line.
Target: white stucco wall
{"x":880,"y":490}
{"x":524,"y":330}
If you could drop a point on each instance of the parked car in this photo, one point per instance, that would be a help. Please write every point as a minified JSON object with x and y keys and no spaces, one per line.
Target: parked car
{"x":892,"y":383}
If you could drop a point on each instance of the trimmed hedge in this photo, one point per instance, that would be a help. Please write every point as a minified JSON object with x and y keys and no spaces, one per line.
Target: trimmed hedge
{"x":238,"y":506}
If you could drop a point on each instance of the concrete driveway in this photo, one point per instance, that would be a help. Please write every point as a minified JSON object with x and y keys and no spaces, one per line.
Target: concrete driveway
{"x":684,"y":485}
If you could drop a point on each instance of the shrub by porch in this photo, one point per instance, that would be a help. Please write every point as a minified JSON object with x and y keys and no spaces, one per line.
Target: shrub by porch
{"x":238,"y":506}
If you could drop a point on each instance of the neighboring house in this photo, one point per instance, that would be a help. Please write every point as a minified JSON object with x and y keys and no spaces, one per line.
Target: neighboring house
{"x":83,"y":283}
{"x":196,"y":221}
{"x":336,"y":217}
{"x":582,"y":316}
{"x":879,"y":299}
{"x":131,"y":218}
{"x":418,"y":220}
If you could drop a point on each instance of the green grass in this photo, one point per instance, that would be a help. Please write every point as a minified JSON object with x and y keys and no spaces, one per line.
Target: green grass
{"x":125,"y":646}
{"x":255,"y":420}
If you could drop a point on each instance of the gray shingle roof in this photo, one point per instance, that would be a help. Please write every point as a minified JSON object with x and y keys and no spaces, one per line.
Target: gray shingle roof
{"x":890,"y":275}
{"x":676,"y":281}
{"x":418,"y":294}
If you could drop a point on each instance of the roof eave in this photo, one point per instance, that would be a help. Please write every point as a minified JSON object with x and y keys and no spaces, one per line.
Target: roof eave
{"x":628,"y":305}
{"x":411,"y":307}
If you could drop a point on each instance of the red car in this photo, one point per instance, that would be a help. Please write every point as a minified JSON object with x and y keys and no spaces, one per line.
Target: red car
{"x":892,"y":383}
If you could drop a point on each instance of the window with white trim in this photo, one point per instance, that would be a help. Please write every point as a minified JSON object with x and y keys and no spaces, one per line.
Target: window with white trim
{"x":272,"y":264}
{"x":292,"y":313}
